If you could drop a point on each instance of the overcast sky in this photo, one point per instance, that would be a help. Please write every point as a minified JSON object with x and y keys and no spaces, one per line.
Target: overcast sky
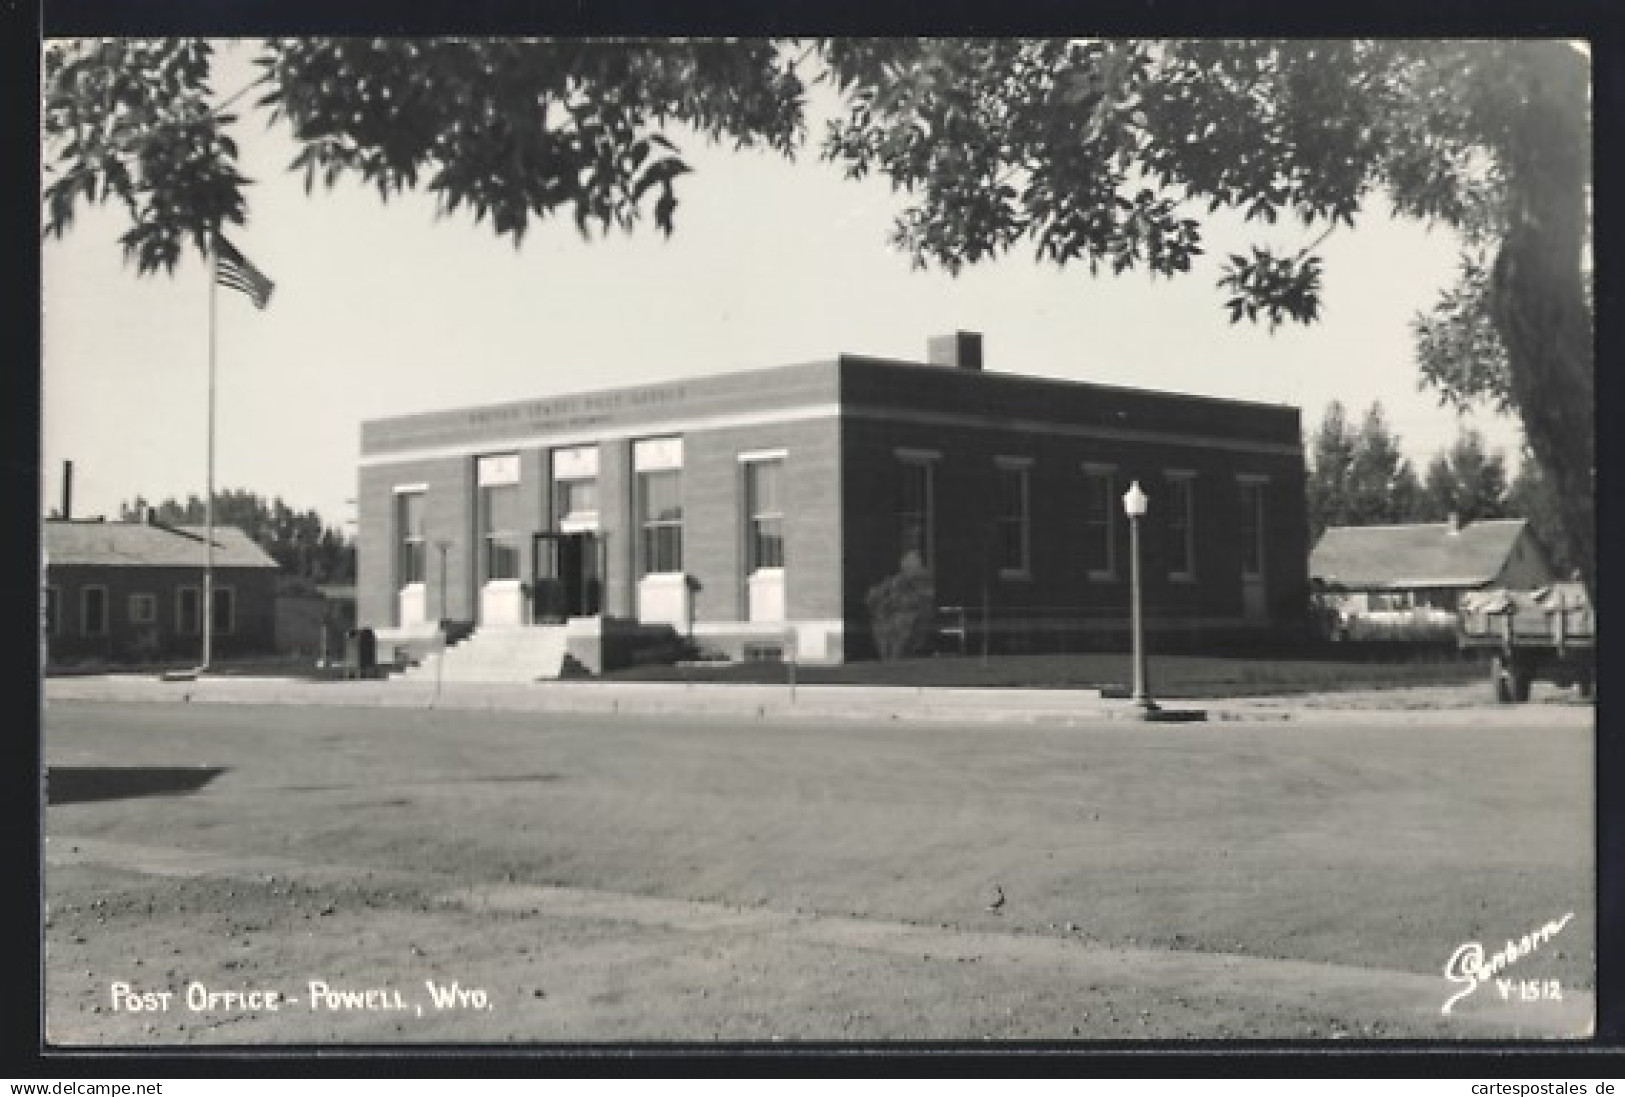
{"x":383,"y":309}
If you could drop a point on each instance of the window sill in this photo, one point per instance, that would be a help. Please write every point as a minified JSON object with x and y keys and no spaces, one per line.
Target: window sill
{"x":1015,"y":575}
{"x":1103,"y":577}
{"x":1181,"y":577}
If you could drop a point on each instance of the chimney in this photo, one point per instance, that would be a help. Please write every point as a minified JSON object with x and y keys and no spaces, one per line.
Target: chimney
{"x":1453,"y":524}
{"x":961,"y":350}
{"x":67,"y":491}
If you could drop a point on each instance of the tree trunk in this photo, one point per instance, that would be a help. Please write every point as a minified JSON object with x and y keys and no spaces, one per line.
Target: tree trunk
{"x":1538,"y":300}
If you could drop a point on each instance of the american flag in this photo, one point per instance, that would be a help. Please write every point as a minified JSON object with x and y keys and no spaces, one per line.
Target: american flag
{"x":234,"y":271}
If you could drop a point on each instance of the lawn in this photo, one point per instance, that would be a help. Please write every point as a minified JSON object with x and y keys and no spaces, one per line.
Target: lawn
{"x":1174,"y":675}
{"x":701,"y":879}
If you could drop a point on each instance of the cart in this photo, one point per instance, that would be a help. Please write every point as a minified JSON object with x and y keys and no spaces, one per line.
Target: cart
{"x":1549,"y":633}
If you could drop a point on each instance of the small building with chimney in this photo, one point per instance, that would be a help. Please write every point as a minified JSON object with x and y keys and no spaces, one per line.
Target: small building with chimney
{"x":132,"y":592}
{"x":750,"y":513}
{"x":1405,"y":582}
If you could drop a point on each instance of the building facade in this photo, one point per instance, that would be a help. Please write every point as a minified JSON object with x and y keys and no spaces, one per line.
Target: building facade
{"x":133,"y":592}
{"x":753,"y":511}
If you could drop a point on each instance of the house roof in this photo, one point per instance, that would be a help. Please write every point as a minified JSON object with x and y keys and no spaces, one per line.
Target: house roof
{"x":1418,"y":555}
{"x":143,"y":545}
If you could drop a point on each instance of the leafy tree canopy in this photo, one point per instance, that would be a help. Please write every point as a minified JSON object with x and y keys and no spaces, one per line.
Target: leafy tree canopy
{"x":511,"y":129}
{"x":1108,"y":154}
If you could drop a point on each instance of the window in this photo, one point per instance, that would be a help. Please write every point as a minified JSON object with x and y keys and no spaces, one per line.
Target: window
{"x":917,"y":510}
{"x":575,"y":489}
{"x":1252,"y":527}
{"x":764,"y":509}
{"x":225,"y":610}
{"x":93,"y":611}
{"x":660,"y":517}
{"x":1099,"y":506}
{"x":576,"y":503}
{"x":1011,"y":522}
{"x":1181,"y":525}
{"x":499,"y":530}
{"x":409,"y":524}
{"x":188,"y":618}
{"x":53,"y":611}
{"x":143,"y":609}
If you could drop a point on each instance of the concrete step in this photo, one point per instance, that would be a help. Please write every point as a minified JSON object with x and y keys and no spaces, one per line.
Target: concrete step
{"x":497,"y":655}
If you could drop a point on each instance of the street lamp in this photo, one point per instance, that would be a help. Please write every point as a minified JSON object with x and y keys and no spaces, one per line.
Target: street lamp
{"x":1134,"y":505}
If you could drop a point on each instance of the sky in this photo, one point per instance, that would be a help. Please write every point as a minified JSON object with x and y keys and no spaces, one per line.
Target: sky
{"x":383,"y":309}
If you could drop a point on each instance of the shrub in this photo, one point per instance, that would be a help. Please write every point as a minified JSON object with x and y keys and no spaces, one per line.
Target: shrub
{"x":903,"y":611}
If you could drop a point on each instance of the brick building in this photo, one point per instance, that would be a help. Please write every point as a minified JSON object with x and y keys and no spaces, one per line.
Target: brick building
{"x":756,"y":509}
{"x":133,"y":592}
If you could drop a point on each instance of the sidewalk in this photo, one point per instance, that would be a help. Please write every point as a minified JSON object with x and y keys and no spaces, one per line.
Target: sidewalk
{"x":1066,"y":706}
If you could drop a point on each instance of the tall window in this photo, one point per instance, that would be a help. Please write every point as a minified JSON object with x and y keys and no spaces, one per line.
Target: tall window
{"x":93,"y":611}
{"x":1099,"y":507}
{"x":225,"y":610}
{"x":1012,"y":525}
{"x":53,"y":611}
{"x":764,"y":508}
{"x":188,"y":618}
{"x":660,"y":517}
{"x":143,"y":609}
{"x":1252,"y":528}
{"x":499,"y":530}
{"x":409,"y":523}
{"x":918,"y":508}
{"x":575,"y":489}
{"x":1181,"y":526}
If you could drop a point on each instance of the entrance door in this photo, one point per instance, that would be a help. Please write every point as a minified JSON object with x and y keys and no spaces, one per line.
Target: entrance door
{"x":568,"y":571}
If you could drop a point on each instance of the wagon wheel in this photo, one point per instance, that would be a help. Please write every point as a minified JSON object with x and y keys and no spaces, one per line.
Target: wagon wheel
{"x":1505,"y":679}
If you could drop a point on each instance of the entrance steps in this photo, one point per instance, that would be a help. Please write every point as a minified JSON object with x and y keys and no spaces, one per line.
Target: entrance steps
{"x":497,"y":654}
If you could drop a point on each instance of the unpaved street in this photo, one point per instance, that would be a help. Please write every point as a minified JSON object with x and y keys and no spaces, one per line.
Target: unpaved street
{"x":594,"y":878}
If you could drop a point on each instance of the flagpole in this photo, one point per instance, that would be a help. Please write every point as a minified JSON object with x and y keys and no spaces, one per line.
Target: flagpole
{"x":208,"y":502}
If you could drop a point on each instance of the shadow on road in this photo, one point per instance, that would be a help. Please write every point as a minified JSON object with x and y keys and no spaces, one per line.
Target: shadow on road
{"x":80,"y":784}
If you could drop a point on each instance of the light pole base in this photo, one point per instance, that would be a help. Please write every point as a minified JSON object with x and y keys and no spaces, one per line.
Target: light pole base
{"x":1155,"y":715}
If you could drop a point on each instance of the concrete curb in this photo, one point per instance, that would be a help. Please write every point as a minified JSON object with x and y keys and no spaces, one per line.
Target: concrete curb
{"x":1028,"y":706}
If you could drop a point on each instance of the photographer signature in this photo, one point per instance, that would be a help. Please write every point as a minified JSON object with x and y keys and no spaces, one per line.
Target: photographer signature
{"x":1468,"y":965}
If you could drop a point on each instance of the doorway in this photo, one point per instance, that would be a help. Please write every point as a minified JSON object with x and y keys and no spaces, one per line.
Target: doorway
{"x":568,"y":570}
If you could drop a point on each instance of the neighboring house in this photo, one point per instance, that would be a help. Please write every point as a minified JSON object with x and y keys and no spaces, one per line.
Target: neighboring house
{"x":753,"y":511}
{"x":133,"y":592}
{"x":1406,"y":582}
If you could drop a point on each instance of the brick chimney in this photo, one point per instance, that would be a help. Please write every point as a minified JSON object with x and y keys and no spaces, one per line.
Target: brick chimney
{"x":961,"y":350}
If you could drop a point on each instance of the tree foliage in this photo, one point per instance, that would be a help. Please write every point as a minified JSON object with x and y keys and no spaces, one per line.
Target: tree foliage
{"x":1100,"y":153}
{"x":1357,"y":475}
{"x":1108,"y":154}
{"x":513,"y":130}
{"x":299,"y":541}
{"x":1466,"y":481}
{"x":1530,"y":497}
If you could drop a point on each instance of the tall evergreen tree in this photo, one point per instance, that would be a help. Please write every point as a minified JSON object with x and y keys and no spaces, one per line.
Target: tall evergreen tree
{"x":1467,"y":481}
{"x":1359,"y":477}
